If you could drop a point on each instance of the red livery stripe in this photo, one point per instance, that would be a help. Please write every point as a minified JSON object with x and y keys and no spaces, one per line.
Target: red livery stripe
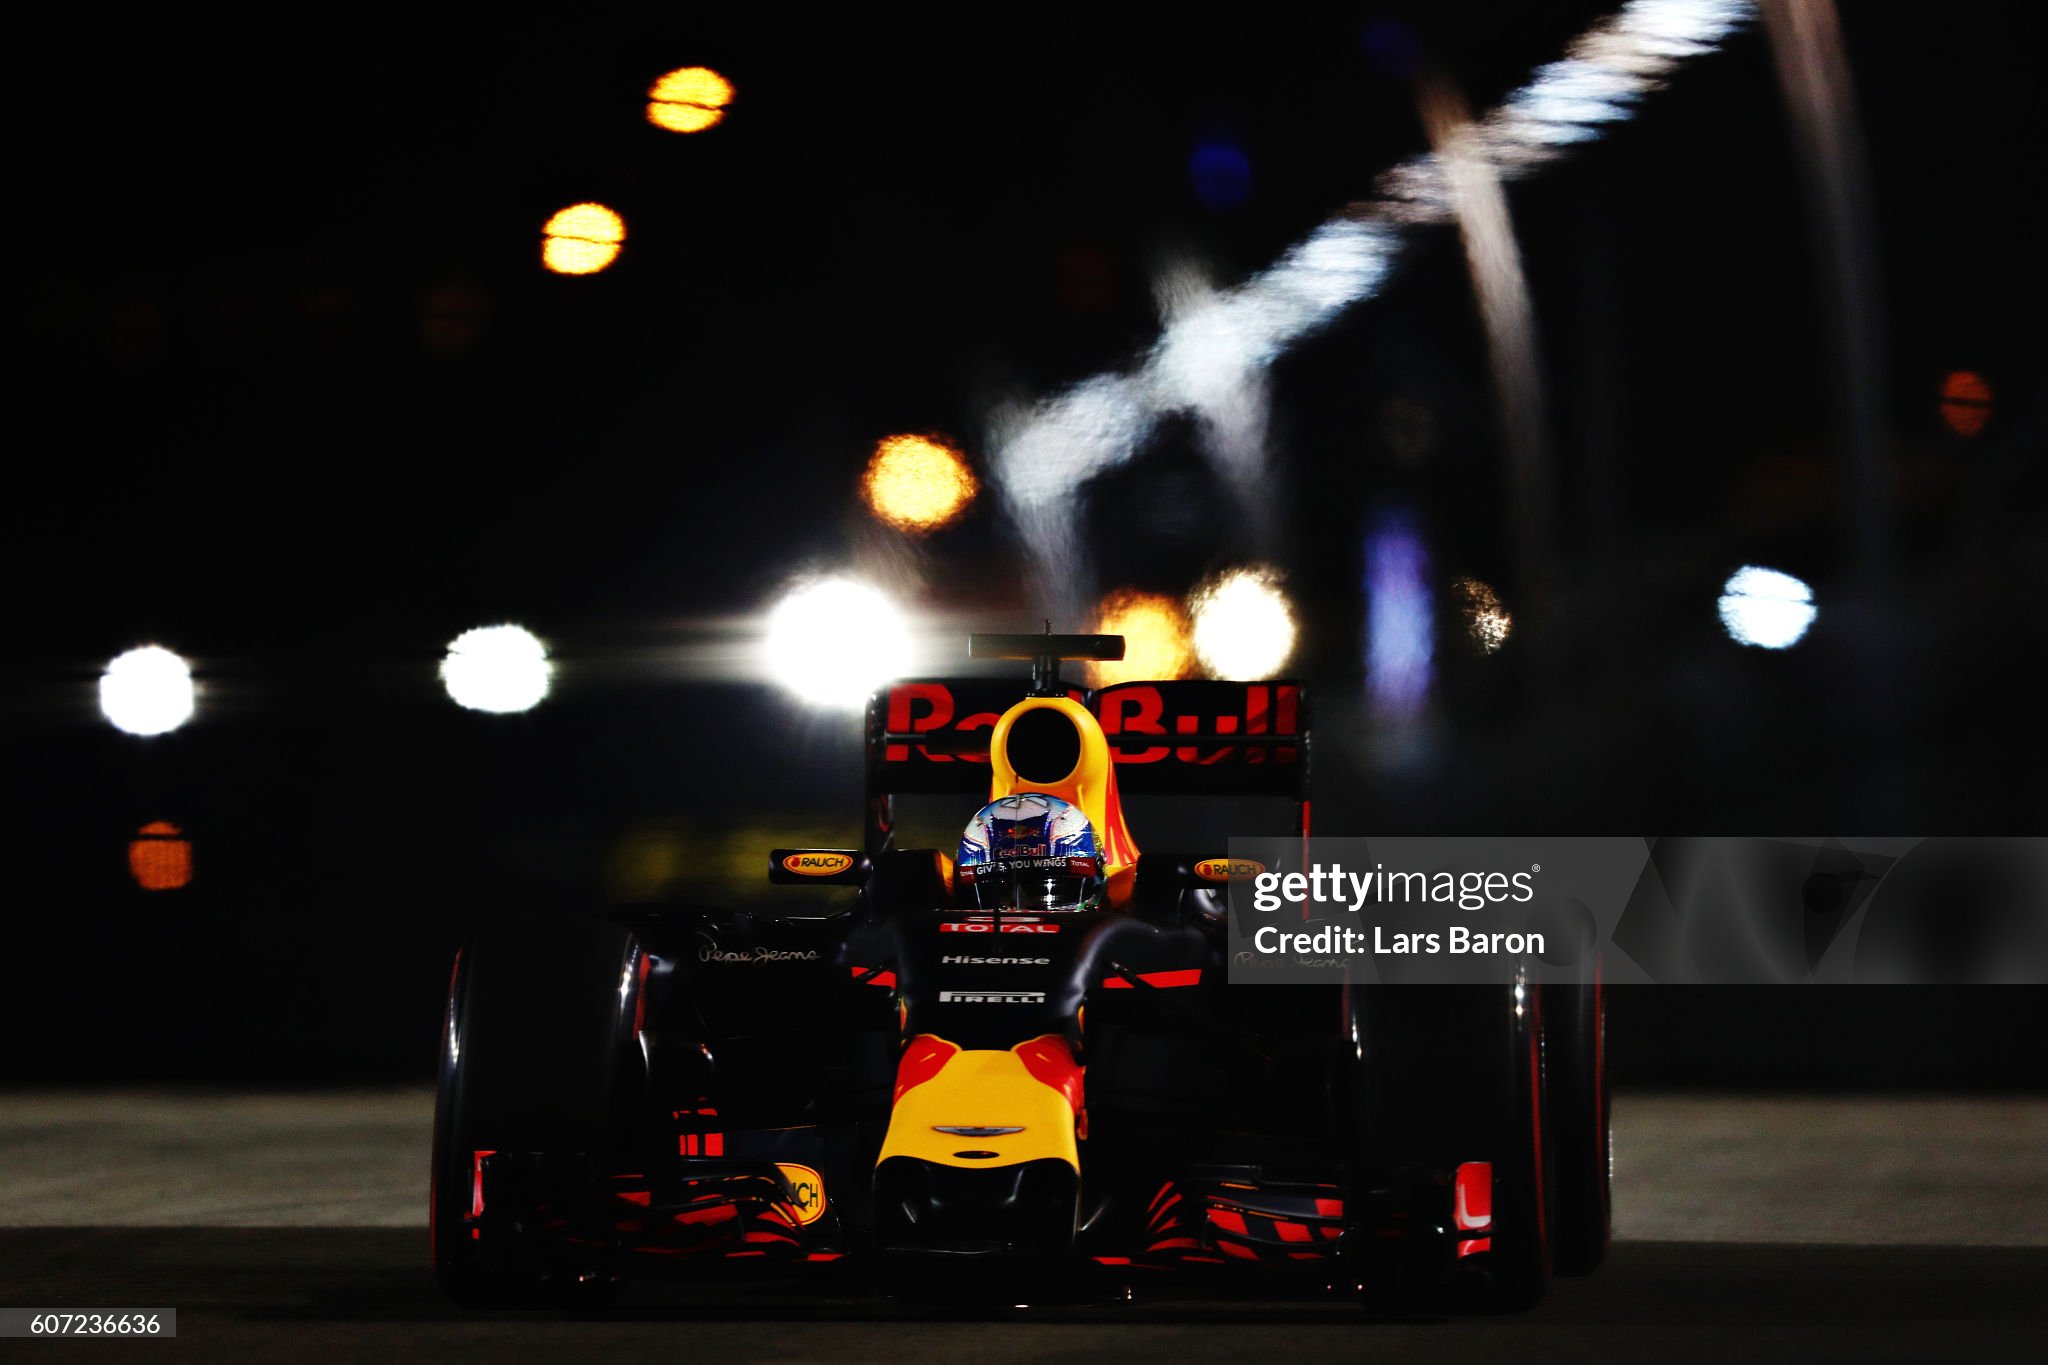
{"x":1191,"y":976}
{"x":1228,"y":1220}
{"x":717,"y":1213}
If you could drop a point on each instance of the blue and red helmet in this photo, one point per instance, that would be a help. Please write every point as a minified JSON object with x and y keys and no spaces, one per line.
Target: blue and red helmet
{"x":1031,"y":852}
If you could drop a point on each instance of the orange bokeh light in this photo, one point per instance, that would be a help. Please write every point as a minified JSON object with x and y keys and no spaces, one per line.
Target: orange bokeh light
{"x":1155,"y":631}
{"x":1965,"y":402}
{"x":918,"y":483}
{"x":582,"y":239}
{"x":689,"y":100}
{"x":160,"y":857}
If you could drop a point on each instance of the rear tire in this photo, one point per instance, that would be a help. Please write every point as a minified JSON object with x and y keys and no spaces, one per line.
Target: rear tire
{"x":534,"y":1060}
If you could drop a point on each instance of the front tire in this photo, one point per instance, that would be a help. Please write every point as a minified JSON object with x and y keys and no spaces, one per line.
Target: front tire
{"x":533,"y":1063}
{"x":1450,"y":1075}
{"x":1517,"y":1273}
{"x":1579,"y":1134}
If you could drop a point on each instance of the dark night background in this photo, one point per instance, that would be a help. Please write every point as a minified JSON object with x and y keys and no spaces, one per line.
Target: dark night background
{"x":293,"y":396}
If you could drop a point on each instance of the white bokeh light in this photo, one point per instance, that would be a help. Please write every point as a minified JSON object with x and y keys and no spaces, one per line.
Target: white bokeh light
{"x":834,"y":640}
{"x":1243,"y":624}
{"x":147,"y":691}
{"x":1766,"y":608}
{"x":499,"y":669}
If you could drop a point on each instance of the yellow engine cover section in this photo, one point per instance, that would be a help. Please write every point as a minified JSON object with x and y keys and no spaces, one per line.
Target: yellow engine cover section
{"x":983,"y":1089}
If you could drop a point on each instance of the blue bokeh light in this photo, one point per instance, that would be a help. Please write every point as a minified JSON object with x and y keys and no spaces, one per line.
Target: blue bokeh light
{"x":1221,"y":172}
{"x":1393,"y":47}
{"x":1400,"y":620}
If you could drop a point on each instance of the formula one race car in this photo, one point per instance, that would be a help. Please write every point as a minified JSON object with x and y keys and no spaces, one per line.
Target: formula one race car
{"x":1013,"y":1059}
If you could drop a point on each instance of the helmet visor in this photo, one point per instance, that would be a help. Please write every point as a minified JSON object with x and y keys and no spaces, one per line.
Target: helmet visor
{"x":1042,"y":884}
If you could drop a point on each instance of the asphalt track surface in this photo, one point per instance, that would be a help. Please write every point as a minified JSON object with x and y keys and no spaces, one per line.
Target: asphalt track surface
{"x":1765,"y":1228}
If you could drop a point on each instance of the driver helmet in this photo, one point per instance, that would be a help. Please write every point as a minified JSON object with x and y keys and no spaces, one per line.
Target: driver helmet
{"x":1031,"y":852}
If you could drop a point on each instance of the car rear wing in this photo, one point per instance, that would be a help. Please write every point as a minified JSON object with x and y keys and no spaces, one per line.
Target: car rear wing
{"x":1188,"y":737}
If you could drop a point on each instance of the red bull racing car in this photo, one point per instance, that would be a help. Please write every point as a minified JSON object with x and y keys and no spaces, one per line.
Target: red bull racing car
{"x":1016,"y":1058}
